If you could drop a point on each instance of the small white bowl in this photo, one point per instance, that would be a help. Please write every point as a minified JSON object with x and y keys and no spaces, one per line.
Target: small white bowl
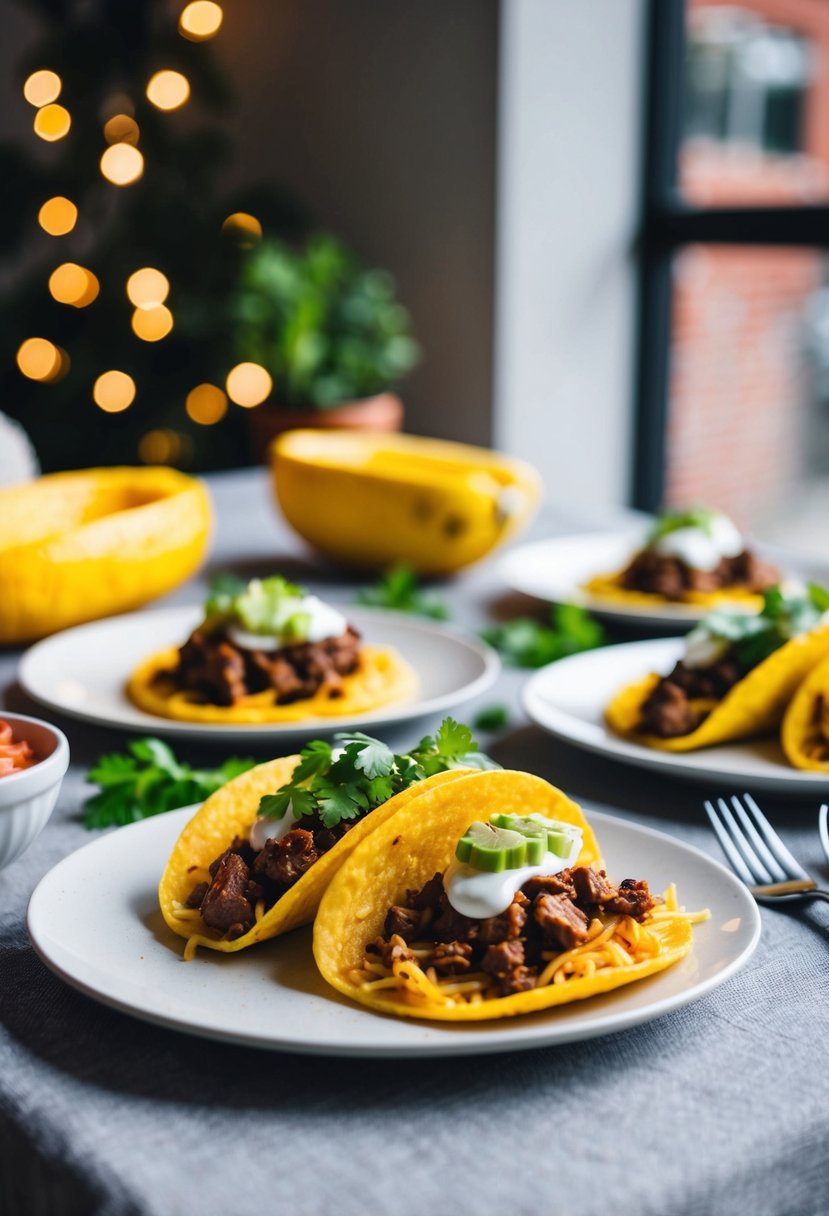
{"x":27,"y":798}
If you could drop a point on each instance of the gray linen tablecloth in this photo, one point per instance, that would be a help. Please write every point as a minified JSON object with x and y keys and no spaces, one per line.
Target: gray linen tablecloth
{"x":720,"y":1107}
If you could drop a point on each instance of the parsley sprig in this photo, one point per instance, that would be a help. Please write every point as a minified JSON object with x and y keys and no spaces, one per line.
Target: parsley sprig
{"x":399,"y":590}
{"x":148,"y":780}
{"x":753,"y":637}
{"x":362,"y":773}
{"x":525,"y":642}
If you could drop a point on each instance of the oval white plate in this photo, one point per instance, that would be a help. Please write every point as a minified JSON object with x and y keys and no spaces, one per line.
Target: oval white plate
{"x":557,"y":569}
{"x":94,"y":920}
{"x":568,"y":699}
{"x":82,"y":672}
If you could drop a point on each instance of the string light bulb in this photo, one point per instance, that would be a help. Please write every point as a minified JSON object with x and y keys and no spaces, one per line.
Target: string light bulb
{"x":52,"y":122}
{"x":42,"y":87}
{"x":113,"y":392}
{"x":248,"y":384}
{"x":40,"y":359}
{"x":160,"y":447}
{"x":246,"y":228}
{"x":122,"y":164}
{"x":121,"y":129}
{"x":147,"y":287}
{"x":72,"y":284}
{"x":200,"y":20}
{"x":152,"y":324}
{"x":206,"y":404}
{"x":167,"y":90}
{"x":57,"y":216}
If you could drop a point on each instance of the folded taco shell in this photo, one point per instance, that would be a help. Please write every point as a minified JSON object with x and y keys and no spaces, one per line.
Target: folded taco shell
{"x":418,"y":841}
{"x":754,"y":706}
{"x":229,"y":813}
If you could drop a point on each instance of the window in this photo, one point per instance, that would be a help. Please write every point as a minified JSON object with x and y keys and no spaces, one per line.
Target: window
{"x":733,"y":369}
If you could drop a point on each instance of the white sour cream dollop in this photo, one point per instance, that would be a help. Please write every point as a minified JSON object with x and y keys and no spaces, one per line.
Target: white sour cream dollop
{"x":704,"y":649}
{"x":480,"y":895}
{"x":265,"y":829}
{"x":324,"y":621}
{"x":702,"y":548}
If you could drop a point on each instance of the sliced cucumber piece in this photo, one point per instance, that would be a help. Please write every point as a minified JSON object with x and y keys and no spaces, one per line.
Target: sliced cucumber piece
{"x":492,"y":849}
{"x":559,"y":837}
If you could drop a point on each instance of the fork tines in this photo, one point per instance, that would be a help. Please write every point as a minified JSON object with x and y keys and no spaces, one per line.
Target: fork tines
{"x":751,"y":844}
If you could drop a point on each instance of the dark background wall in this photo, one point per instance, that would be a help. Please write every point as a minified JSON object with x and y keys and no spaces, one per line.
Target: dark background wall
{"x":382,"y":119}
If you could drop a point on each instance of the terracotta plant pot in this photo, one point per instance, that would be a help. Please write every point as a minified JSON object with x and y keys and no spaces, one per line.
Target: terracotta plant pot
{"x":383,"y":412}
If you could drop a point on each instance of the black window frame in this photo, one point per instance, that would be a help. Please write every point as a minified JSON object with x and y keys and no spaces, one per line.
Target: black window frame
{"x":667,"y":224}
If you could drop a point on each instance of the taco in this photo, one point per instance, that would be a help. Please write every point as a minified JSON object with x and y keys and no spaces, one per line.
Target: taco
{"x":268,"y":652}
{"x":804,"y":734}
{"x":695,"y":557}
{"x":487,"y":898}
{"x":254,"y":861}
{"x":735,"y":679}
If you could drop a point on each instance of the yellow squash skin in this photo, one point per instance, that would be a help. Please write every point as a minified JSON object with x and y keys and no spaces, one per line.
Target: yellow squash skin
{"x":804,"y":734}
{"x":754,"y":706}
{"x":230,"y":812}
{"x":418,"y":841}
{"x":371,"y":500}
{"x":81,"y":545}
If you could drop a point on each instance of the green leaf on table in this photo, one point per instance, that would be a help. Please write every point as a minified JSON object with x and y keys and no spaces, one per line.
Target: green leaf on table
{"x":491,"y":718}
{"x":399,"y":590}
{"x":526,"y":642}
{"x":150,"y":780}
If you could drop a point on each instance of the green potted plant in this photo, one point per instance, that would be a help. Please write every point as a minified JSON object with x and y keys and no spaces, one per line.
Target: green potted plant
{"x":332,"y":335}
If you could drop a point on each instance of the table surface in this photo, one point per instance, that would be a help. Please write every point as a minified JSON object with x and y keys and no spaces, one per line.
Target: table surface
{"x":719,"y":1107}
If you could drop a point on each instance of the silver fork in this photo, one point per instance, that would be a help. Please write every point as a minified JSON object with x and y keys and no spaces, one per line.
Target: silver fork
{"x":758,"y":855}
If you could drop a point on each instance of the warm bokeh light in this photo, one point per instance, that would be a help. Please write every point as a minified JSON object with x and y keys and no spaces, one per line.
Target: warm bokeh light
{"x":168,"y":90}
{"x":121,"y":129}
{"x":248,"y":384}
{"x":160,"y":447}
{"x":206,"y":404}
{"x":113,"y":392}
{"x":52,"y":122}
{"x":72,"y":284}
{"x":39,"y":359}
{"x":57,"y":216}
{"x":147,"y":287}
{"x":200,"y":20}
{"x":152,"y":324}
{"x":122,"y":164}
{"x":42,"y":87}
{"x":246,"y":228}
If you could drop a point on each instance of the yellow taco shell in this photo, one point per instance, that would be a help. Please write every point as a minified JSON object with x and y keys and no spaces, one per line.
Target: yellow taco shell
{"x":609,"y":587}
{"x":381,"y":678}
{"x":418,"y":841}
{"x":754,"y":706}
{"x":229,"y":813}
{"x":804,"y":734}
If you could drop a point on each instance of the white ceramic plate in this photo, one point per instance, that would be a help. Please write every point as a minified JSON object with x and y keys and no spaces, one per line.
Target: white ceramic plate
{"x":557,"y":569}
{"x":568,"y":699}
{"x":94,"y":921}
{"x":82,"y":672}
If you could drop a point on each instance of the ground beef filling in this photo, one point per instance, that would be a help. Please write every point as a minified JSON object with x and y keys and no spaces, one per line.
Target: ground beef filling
{"x":672,"y":579}
{"x":669,"y":710}
{"x":241,"y":877}
{"x":224,"y":674}
{"x":548,"y":914}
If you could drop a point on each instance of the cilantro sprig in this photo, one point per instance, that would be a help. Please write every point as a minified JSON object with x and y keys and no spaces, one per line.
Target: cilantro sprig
{"x":361,"y":773}
{"x":672,"y":521}
{"x":753,"y":637}
{"x":147,"y":780}
{"x":525,"y":642}
{"x":399,"y":590}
